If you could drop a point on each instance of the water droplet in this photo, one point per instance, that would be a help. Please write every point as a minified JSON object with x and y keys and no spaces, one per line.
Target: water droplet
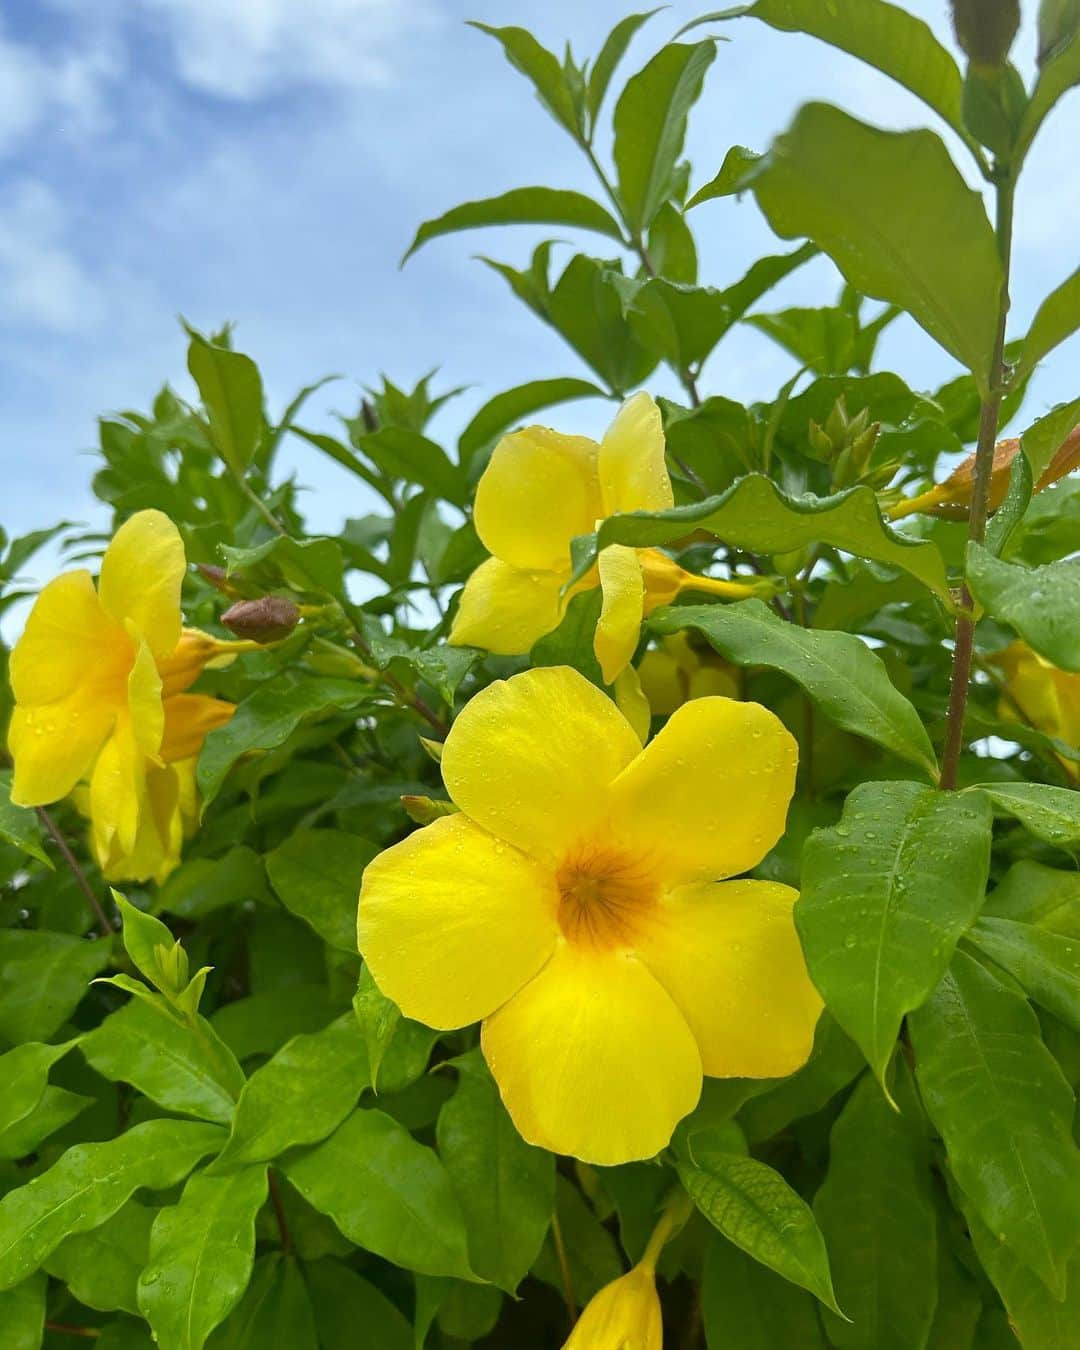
{"x":850,"y":941}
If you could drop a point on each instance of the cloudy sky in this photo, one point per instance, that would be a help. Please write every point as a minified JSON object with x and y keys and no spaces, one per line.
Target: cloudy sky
{"x":267,"y":161}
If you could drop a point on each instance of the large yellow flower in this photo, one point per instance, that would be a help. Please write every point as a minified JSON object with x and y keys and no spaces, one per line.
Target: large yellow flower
{"x":573,"y":906}
{"x":541,"y":490}
{"x":99,"y":677}
{"x":1041,"y":694}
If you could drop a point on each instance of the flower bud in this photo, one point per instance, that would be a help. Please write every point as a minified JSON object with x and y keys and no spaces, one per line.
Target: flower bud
{"x":624,"y":1313}
{"x":985,"y":29}
{"x":268,"y":619}
{"x":216,"y":576}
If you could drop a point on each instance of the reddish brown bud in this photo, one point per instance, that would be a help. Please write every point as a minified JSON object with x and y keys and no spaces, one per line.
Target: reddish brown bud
{"x":268,"y":619}
{"x":216,"y":576}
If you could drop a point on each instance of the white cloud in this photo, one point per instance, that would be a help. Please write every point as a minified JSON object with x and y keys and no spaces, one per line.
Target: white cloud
{"x":43,"y":285}
{"x":247,"y":49}
{"x":66,"y":88}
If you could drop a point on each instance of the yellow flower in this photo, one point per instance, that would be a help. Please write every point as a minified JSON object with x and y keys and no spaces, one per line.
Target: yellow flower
{"x":98,"y":677}
{"x":624,"y":1315}
{"x":1043,"y":695}
{"x":573,"y":906}
{"x":677,"y":671}
{"x":541,"y":490}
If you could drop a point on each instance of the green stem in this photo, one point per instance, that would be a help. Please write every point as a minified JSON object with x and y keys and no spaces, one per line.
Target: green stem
{"x":989,"y":417}
{"x":260,"y":506}
{"x":676,"y":1212}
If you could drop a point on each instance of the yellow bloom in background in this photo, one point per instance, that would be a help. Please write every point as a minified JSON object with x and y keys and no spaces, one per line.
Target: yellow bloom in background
{"x":541,"y":490}
{"x":98,"y":677}
{"x":1043,"y":695}
{"x":573,"y":906}
{"x":677,"y":671}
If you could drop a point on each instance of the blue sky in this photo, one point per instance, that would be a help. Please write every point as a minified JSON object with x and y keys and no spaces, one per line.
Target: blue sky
{"x":267,"y":161}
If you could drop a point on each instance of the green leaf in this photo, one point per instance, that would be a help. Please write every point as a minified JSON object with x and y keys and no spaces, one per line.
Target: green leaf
{"x":201,"y":1254}
{"x":24,"y":1072}
{"x":650,"y":127}
{"x":268,"y":717}
{"x":834,"y":1061}
{"x":1051,"y":813}
{"x":403,"y":453}
{"x":232,"y":393}
{"x":102,"y":1267}
{"x":1056,"y":319}
{"x":756,"y":515}
{"x":586,"y":307}
{"x":387,"y":1193}
{"x":312,"y":566}
{"x":508,"y":409}
{"x":999,"y":1101}
{"x":316,"y":874}
{"x":839,"y":672}
{"x":591,"y":1254}
{"x":732,"y":176}
{"x":55,"y":1108}
{"x":262,"y":1023}
{"x":1041,"y":603}
{"x":299,"y":1095}
{"x":1060,"y":74}
{"x":89,"y":1184}
{"x":441,"y":666}
{"x":876,"y":1210}
{"x":894,"y":214}
{"x":506,"y":1187}
{"x":540,"y":66}
{"x":125,"y":1334}
{"x":754,"y":1207}
{"x":886,"y":894}
{"x":274,"y":1314}
{"x":19,"y":825}
{"x":609,"y":56}
{"x":878,"y":34}
{"x":398,"y":1048}
{"x":352,"y":1314}
{"x":156,"y":954}
{"x":1031,"y":893}
{"x":745,"y":1306}
{"x":1047,"y":965}
{"x":521,"y":206}
{"x":43,"y":977}
{"x":571,"y":644}
{"x":22,"y":1314}
{"x":183,"y":1066}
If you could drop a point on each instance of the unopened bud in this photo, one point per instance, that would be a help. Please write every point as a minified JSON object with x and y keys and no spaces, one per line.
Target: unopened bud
{"x":216,"y":576}
{"x":268,"y":619}
{"x":985,"y":29}
{"x":423,"y":810}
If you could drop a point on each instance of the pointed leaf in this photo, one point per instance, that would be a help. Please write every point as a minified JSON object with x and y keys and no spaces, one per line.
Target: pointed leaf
{"x":1046,"y":965}
{"x":540,"y":66}
{"x":43,"y":977}
{"x":24,"y":1072}
{"x":19,"y":825}
{"x":745,"y":1306}
{"x":1051,"y":813}
{"x":316,"y":874}
{"x":510,"y":408}
{"x":232,"y":393}
{"x":521,"y":206}
{"x":1056,"y":319}
{"x":102,"y":1267}
{"x":22,"y":1314}
{"x":1041,"y":603}
{"x":609,"y":56}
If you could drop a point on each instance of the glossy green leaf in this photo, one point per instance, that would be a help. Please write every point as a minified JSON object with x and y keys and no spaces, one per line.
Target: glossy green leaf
{"x":521,"y":206}
{"x":43,"y":977}
{"x":1056,"y":319}
{"x":125,"y":1334}
{"x":22,"y":1314}
{"x":300,"y":1095}
{"x":201,"y":1254}
{"x":586,"y":308}
{"x":89,"y":1184}
{"x":834,"y":1061}
{"x":24,"y":1072}
{"x":316,"y":874}
{"x":999,"y":1101}
{"x":650,"y":127}
{"x":398,"y":1048}
{"x":156,"y":954}
{"x":506,"y":1187}
{"x":754,"y":1207}
{"x":276,"y":1312}
{"x":232,"y":393}
{"x":387,"y":1193}
{"x":894,"y":214}
{"x":609,"y":56}
{"x":756,"y":515}
{"x":539,"y":66}
{"x":1041,"y":603}
{"x":592,"y":1256}
{"x":732,"y":176}
{"x":404,"y":453}
{"x":876,"y":1210}
{"x":19,"y":825}
{"x":508,"y":409}
{"x":352,"y":1314}
{"x":878,"y":34}
{"x":306,"y":565}
{"x":1032,"y":893}
{"x":1050,"y":813}
{"x":268,"y":717}
{"x":839,"y":672}
{"x":262,"y":1023}
{"x":182,"y":1066}
{"x":1046,"y":964}
{"x":745,"y":1306}
{"x":886,"y":894}
{"x":102,"y":1267}
{"x":1060,"y":74}
{"x":442,"y":666}
{"x":55,"y":1108}
{"x":1040,"y":1321}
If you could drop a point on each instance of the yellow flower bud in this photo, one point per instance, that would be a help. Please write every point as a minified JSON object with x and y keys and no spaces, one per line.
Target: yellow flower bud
{"x":624,"y":1315}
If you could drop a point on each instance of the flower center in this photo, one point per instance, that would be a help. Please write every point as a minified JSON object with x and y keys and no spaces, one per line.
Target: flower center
{"x":604,"y":897}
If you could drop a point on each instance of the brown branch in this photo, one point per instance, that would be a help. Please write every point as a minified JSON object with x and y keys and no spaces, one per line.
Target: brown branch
{"x":76,"y":871}
{"x":409,"y":697}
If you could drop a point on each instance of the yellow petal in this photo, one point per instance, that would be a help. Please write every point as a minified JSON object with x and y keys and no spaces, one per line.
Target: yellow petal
{"x":55,"y":744}
{"x":624,"y":1315}
{"x":619,"y":626}
{"x":505,"y":610}
{"x":633,"y":472}
{"x":117,"y":789}
{"x":155,"y":849}
{"x":452,"y":922}
{"x":69,"y":642}
{"x":196,"y":650}
{"x":144,"y":703}
{"x":593,"y":1059}
{"x":662,"y":680}
{"x":539,"y":491}
{"x":728,"y":954}
{"x":632,"y":703}
{"x":530,"y":758}
{"x":708,"y":797}
{"x":189,"y":718}
{"x":141,"y":576}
